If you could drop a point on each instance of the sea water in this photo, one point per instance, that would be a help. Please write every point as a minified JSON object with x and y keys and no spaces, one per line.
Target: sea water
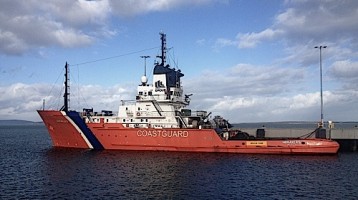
{"x":30,"y":168}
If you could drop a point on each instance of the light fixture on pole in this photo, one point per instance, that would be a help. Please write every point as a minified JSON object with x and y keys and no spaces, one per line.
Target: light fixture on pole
{"x":320,"y":70}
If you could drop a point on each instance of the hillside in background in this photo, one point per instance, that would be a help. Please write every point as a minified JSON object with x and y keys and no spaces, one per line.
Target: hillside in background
{"x":18,"y":122}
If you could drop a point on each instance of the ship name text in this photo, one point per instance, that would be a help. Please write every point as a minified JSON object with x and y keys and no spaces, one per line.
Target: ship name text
{"x":61,"y":121}
{"x":162,"y":133}
{"x":291,"y":142}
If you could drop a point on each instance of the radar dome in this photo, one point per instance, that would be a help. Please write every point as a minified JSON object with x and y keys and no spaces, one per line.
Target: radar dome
{"x":144,"y":79}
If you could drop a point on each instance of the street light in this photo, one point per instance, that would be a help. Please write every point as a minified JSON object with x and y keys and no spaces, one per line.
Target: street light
{"x":320,"y":70}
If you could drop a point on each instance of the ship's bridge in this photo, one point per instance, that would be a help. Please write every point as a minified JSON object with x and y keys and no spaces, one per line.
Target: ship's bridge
{"x":160,"y":103}
{"x":166,"y":86}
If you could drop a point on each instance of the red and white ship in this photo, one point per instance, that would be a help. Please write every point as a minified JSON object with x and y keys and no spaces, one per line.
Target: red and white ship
{"x":158,"y":120}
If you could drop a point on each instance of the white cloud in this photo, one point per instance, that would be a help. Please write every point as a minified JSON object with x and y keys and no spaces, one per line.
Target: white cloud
{"x":319,"y":19}
{"x":346,"y":72}
{"x":79,"y":13}
{"x":22,"y":100}
{"x":140,"y":7}
{"x":247,"y":79}
{"x":29,"y":25}
{"x":301,"y":107}
{"x":345,"y":69}
{"x":69,"y":38}
{"x":299,"y":27}
{"x":303,"y":22}
{"x":200,"y":42}
{"x":248,"y":93}
{"x":32,"y":25}
{"x":11,"y":44}
{"x":291,"y":19}
{"x":223,"y":42}
{"x":249,"y":40}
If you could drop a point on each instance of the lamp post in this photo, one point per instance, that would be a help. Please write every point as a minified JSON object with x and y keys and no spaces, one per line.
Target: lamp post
{"x":145,"y":64}
{"x":320,"y":70}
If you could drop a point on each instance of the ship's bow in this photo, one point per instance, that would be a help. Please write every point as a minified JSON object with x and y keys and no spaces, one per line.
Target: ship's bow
{"x":62,"y":131}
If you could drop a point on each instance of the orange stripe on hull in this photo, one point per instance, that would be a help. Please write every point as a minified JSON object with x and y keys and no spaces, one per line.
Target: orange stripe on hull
{"x":62,"y":132}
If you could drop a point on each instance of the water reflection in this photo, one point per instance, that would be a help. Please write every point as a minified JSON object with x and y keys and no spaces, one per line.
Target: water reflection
{"x":131,"y":174}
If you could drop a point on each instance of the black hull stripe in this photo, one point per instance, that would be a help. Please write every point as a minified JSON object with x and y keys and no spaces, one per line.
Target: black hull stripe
{"x":76,"y":118}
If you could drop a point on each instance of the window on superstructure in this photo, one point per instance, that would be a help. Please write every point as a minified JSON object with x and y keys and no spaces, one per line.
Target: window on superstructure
{"x":138,"y":108}
{"x":150,"y":93}
{"x":124,"y":120}
{"x":140,"y":93}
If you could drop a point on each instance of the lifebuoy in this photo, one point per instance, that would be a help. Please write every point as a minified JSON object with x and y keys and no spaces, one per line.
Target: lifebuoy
{"x":138,"y":113}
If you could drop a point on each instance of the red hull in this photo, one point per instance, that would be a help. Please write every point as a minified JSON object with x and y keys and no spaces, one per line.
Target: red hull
{"x":62,"y":132}
{"x":65,"y":133}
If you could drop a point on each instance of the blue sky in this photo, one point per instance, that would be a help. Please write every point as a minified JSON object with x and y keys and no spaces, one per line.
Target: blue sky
{"x":250,"y":61}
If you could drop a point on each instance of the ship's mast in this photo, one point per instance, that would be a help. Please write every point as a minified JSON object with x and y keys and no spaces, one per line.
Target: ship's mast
{"x":164,"y":47}
{"x":66,"y":95}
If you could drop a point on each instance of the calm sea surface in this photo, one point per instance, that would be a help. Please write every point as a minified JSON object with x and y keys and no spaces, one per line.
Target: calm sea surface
{"x":31,"y":169}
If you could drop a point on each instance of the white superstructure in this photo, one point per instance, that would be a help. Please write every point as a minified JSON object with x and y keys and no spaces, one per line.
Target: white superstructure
{"x":158,"y":105}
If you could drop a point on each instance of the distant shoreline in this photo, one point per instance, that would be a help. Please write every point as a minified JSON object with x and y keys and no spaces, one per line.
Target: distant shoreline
{"x":18,"y":122}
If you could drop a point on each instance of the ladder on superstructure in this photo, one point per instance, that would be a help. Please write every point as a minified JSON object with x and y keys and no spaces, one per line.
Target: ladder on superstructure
{"x":157,"y":107}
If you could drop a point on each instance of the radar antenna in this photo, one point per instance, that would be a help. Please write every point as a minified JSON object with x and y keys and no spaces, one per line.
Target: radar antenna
{"x":164,"y":48}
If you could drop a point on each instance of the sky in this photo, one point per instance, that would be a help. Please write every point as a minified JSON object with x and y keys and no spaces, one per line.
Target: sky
{"x":249,"y":61}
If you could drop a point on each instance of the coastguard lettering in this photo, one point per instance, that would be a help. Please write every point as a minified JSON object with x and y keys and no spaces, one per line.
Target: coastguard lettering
{"x":162,"y":133}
